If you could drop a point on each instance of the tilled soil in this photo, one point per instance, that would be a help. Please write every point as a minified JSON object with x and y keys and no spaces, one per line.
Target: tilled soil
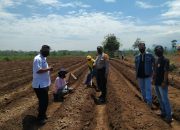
{"x":124,"y":109}
{"x":129,"y":74}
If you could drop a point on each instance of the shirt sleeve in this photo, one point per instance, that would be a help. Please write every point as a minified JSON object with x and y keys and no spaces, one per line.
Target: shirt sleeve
{"x":55,"y":86}
{"x":37,"y":65}
{"x":107,"y":63}
{"x":153,"y":59}
{"x":166,"y":67}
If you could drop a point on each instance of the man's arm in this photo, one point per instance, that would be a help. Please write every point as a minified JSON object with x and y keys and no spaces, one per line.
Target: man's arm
{"x":107,"y":65}
{"x":166,"y":73}
{"x":44,"y":70}
{"x":38,"y":67}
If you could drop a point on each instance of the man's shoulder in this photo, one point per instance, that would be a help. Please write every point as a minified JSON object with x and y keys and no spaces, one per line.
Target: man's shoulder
{"x":136,"y":56}
{"x":37,"y":57}
{"x":93,"y":60}
{"x":106,"y":56}
{"x":149,"y":54}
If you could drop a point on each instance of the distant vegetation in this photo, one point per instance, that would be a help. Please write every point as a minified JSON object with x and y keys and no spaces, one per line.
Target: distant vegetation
{"x":23,"y":55}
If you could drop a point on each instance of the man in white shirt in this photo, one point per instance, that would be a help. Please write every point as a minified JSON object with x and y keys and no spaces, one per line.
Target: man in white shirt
{"x":42,"y":81}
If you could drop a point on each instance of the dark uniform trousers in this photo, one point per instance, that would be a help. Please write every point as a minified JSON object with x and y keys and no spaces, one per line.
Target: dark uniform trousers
{"x":42,"y":95}
{"x":101,"y":81}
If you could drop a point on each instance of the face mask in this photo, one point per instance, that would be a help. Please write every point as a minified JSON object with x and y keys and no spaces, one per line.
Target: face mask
{"x":142,"y":50}
{"x":99,"y":51}
{"x":158,"y":53}
{"x":45,"y":53}
{"x":63,"y":76}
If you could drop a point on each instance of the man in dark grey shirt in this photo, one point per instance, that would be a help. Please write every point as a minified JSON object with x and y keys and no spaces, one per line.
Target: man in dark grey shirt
{"x":102,"y":67}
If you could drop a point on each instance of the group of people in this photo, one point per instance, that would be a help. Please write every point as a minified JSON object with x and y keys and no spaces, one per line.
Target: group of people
{"x":149,"y":70}
{"x":154,"y":71}
{"x":41,"y":79}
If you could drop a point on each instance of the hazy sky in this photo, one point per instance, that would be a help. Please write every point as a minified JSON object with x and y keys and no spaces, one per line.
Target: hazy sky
{"x":82,"y":24}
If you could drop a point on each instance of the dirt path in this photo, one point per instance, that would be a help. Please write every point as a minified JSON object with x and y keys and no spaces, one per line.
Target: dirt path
{"x":77,"y":112}
{"x":11,"y":96}
{"x":101,"y":118}
{"x":125,"y":110}
{"x":173,"y":92}
{"x":13,"y":112}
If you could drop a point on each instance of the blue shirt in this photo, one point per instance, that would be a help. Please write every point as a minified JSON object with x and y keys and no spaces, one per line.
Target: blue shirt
{"x":149,"y":61}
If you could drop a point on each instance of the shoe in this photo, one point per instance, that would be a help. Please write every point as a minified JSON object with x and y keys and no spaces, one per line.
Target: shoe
{"x":42,"y":121}
{"x":101,"y":101}
{"x":169,"y":121}
{"x":61,"y":99}
{"x":161,"y":115}
{"x":98,"y":90}
{"x":46,"y":117}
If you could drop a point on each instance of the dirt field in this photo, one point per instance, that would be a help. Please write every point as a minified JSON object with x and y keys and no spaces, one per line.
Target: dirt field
{"x":124,"y":109}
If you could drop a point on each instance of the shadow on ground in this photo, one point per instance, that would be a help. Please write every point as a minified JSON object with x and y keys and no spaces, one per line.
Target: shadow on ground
{"x":30,"y":123}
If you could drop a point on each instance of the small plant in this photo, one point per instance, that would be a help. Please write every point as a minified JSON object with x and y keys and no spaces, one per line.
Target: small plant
{"x":172,"y":67}
{"x":6,"y":59}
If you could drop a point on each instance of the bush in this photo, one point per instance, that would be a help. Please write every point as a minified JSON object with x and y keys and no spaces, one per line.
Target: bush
{"x":6,"y":59}
{"x":172,"y":67}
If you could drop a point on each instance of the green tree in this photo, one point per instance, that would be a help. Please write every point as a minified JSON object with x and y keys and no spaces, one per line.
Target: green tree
{"x":111,"y":44}
{"x":173,"y":43}
{"x":136,"y":43}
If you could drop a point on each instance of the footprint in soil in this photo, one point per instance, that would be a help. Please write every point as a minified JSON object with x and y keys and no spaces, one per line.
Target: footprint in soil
{"x":30,"y":123}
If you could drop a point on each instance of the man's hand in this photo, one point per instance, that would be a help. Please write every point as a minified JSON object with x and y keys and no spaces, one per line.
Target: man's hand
{"x":153,"y":82}
{"x":163,"y":84}
{"x":50,"y":68}
{"x":67,"y":82}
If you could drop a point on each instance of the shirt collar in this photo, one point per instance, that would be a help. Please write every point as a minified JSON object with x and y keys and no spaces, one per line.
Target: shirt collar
{"x":42,"y":56}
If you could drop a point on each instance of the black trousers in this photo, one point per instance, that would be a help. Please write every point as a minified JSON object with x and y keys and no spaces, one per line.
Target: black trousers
{"x":101,"y":81}
{"x":42,"y":95}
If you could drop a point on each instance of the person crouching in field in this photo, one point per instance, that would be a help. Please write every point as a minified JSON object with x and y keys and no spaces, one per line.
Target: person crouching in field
{"x":144,"y":63}
{"x":160,"y":80}
{"x":60,"y":87}
{"x":90,"y":62}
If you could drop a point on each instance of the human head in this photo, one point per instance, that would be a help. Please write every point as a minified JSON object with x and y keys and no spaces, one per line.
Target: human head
{"x":142,"y":47}
{"x":62,"y":73}
{"x":99,"y":49}
{"x":45,"y":49}
{"x":159,"y":50}
{"x":88,"y":57}
{"x":178,"y":48}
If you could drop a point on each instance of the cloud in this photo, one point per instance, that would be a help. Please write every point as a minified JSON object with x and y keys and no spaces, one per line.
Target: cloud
{"x":80,"y":30}
{"x":8,"y":3}
{"x":110,"y":1}
{"x":48,"y":2}
{"x":58,"y":4}
{"x":174,"y":9}
{"x":171,"y":22}
{"x":144,"y":5}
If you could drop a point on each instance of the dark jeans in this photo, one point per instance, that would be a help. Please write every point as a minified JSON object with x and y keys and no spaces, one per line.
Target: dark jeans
{"x":90,"y":77}
{"x":101,"y":82}
{"x":42,"y":95}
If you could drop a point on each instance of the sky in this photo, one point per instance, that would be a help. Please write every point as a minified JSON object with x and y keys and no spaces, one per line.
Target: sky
{"x":83,"y":24}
